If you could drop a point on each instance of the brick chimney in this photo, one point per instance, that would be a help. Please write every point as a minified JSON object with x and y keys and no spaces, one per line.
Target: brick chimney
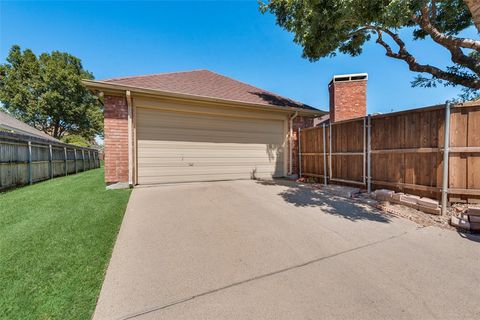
{"x":348,"y":96}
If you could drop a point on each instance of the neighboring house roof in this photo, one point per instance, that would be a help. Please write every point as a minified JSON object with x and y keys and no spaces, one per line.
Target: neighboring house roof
{"x":208,"y":84}
{"x":9,"y":123}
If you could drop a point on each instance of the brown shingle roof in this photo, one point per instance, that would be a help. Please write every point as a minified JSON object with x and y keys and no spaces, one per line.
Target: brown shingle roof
{"x":208,"y":84}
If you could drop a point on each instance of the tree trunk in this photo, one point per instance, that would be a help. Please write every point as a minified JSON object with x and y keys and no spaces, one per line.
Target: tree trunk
{"x":474,"y":7}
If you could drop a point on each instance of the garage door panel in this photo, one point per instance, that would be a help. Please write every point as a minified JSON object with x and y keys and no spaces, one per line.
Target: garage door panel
{"x":201,"y":135}
{"x":221,"y":161}
{"x":178,"y":178}
{"x":268,"y":153}
{"x":200,"y":169}
{"x":196,"y":147}
{"x":150,"y":119}
{"x":179,"y":147}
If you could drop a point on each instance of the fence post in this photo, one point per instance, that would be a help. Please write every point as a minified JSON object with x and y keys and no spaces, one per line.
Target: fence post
{"x":30,"y":174}
{"x":299,"y":155}
{"x":324,"y":155}
{"x":364,"y":149}
{"x":65,"y":159}
{"x":446,"y":149}
{"x":330,"y":151}
{"x":50,"y":160}
{"x":83,"y":159}
{"x":75,"y":159}
{"x":369,"y":153}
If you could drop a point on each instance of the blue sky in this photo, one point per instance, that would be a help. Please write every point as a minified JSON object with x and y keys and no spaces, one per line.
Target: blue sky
{"x":232,"y":38}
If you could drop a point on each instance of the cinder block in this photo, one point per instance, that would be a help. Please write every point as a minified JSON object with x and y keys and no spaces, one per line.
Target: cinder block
{"x":474,"y":211}
{"x":456,"y":222}
{"x":474,"y":219}
{"x":427,"y":202}
{"x":396,"y":197}
{"x":409,"y":204}
{"x":412,"y":198}
{"x":409,"y":200}
{"x":430,"y":210}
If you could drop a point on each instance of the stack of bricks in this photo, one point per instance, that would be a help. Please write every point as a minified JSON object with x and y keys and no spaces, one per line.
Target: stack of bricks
{"x":423,"y":204}
{"x":469,"y":220}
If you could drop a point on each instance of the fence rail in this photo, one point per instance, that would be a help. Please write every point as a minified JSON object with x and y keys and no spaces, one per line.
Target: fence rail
{"x":26,"y":160}
{"x":401,"y":151}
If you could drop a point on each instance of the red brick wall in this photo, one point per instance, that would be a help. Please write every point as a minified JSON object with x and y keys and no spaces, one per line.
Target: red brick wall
{"x":348,"y":99}
{"x":116,"y":139}
{"x":298,"y":122}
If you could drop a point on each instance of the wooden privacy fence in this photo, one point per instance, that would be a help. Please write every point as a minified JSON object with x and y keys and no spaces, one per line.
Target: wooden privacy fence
{"x":403,"y":151}
{"x":26,"y":160}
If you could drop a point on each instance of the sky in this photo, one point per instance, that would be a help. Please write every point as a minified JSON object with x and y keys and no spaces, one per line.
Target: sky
{"x":233,"y":38}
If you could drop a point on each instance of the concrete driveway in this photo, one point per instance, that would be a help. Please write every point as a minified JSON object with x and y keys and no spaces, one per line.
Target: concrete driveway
{"x":253,"y":250}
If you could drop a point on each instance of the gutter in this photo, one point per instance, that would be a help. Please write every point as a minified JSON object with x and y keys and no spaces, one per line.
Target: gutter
{"x":290,"y":169}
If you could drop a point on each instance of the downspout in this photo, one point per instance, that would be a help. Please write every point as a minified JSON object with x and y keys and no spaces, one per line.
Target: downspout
{"x":290,"y":169}
{"x":130,"y":138}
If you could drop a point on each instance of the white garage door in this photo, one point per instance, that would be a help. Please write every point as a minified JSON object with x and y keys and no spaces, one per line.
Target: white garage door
{"x":183,"y":147}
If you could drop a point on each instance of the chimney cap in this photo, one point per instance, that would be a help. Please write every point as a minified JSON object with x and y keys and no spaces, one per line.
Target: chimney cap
{"x":349,"y":77}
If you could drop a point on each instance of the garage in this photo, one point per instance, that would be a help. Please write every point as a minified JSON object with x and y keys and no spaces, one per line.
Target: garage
{"x":195,"y":126}
{"x":186,"y":147}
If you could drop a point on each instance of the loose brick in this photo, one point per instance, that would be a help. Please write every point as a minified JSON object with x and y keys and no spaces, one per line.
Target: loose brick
{"x":396,"y":197}
{"x":475,"y":226}
{"x":427,"y":202}
{"x":410,"y":199}
{"x":430,"y":210}
{"x":475,"y":219}
{"x":460,"y":223}
{"x":474,"y":211}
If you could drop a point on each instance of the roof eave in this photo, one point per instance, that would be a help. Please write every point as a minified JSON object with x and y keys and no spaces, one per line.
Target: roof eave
{"x":120,"y":88}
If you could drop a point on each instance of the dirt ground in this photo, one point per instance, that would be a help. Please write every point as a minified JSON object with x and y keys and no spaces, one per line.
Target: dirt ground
{"x":419,"y":217}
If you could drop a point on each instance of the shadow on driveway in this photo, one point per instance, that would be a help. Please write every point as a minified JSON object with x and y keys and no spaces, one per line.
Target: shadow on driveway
{"x":470,"y":236}
{"x":308,"y":196}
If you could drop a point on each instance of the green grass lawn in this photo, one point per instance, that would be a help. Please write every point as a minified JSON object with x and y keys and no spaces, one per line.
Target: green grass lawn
{"x":56,"y":238}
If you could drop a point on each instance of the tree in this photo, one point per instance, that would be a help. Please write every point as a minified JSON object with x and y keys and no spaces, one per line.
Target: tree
{"x":46,"y":92}
{"x":322,"y":27}
{"x":474,"y":7}
{"x":77,"y":140}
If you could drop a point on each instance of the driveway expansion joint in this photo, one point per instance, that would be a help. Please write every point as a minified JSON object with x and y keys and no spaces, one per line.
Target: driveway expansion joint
{"x":259,"y":277}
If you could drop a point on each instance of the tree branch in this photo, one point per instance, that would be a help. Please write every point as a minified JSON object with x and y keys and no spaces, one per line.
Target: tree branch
{"x":456,"y":52}
{"x":413,"y":64}
{"x":440,"y":38}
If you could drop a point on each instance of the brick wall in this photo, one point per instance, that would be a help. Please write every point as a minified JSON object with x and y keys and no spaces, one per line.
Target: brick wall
{"x":116,"y":139}
{"x":298,"y":122}
{"x":348,"y":99}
